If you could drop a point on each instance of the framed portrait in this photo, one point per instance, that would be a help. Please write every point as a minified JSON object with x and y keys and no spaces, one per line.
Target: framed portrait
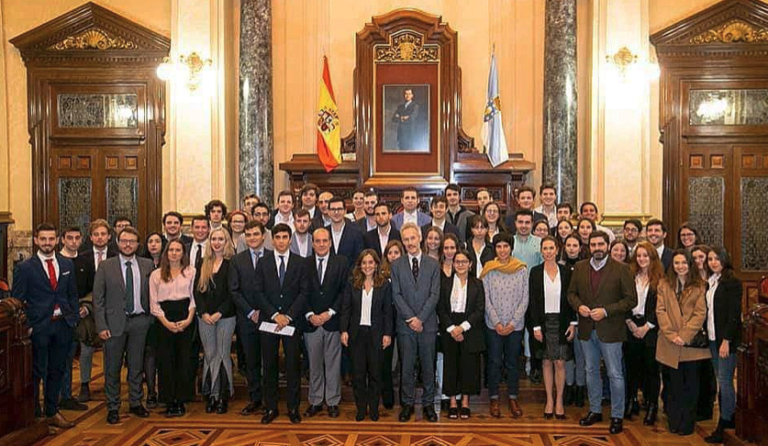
{"x":406,"y":113}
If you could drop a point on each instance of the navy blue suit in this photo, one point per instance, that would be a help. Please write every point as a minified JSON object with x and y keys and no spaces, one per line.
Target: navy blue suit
{"x":51,"y":339}
{"x":351,"y":243}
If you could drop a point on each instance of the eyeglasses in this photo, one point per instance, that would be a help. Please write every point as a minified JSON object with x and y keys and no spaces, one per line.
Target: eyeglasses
{"x":461,"y":262}
{"x":687,"y":234}
{"x":337,"y":210}
{"x":631,"y":230}
{"x":129,"y":242}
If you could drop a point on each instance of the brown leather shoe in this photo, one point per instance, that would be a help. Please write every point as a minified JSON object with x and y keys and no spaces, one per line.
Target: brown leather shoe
{"x":515,"y":409}
{"x":59,"y":421}
{"x":495,"y":408}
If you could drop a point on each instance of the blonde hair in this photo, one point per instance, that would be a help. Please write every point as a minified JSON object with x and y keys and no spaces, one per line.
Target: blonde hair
{"x":209,"y":258}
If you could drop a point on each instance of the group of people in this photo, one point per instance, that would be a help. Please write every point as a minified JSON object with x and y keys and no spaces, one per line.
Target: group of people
{"x":462,"y":296}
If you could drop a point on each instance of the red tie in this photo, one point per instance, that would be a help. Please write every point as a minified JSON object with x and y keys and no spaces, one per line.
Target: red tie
{"x":52,"y":274}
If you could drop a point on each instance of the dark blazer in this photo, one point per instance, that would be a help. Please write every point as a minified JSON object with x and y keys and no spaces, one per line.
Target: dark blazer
{"x":381,"y":312}
{"x":536,"y":305}
{"x":474,"y":338}
{"x":242,"y":282}
{"x":329,"y":294}
{"x":185,"y":239}
{"x":351,"y":243}
{"x":666,"y":257}
{"x":727,"y":307}
{"x":85,"y":265}
{"x":487,"y":255}
{"x":449,"y":228}
{"x":109,"y":294}
{"x":290,"y":298}
{"x":217,"y":298}
{"x":371,"y":239}
{"x":31,"y":286}
{"x":616,"y":294}
{"x":460,"y":220}
{"x":649,"y":316}
{"x":362,"y":224}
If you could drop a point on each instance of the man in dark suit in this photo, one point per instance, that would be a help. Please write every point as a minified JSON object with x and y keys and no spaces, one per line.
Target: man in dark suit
{"x":201,"y":227}
{"x":407,"y":119}
{"x":328,"y":275}
{"x":439,"y":207}
{"x":346,"y":239}
{"x":526,"y":197}
{"x":322,"y":217}
{"x":656,"y":232}
{"x":410,"y":213}
{"x":46,"y":284}
{"x":368,"y":223}
{"x":602,"y":291}
{"x":416,"y":292}
{"x":242,"y":286}
{"x":86,"y":265}
{"x":384,"y":232}
{"x":121,"y":290}
{"x":282,"y":287}
{"x":172,"y":222}
{"x":457,"y":214}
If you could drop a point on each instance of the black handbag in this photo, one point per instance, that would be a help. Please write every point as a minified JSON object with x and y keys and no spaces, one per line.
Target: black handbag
{"x":701,"y":338}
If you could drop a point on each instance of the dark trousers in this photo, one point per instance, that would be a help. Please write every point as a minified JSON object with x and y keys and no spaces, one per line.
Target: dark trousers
{"x":503,"y":353}
{"x":461,"y":368}
{"x":174,"y":356}
{"x":707,"y":391}
{"x":642,"y":371}
{"x":387,"y":386}
{"x":132,"y":342}
{"x":150,"y":361}
{"x":366,"y":370}
{"x":683,"y":396}
{"x":270,"y":355}
{"x":50,"y":345}
{"x":248,"y":334}
{"x":66,"y":385}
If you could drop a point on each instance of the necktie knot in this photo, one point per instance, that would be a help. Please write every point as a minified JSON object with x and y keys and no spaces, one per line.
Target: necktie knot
{"x":128,"y":263}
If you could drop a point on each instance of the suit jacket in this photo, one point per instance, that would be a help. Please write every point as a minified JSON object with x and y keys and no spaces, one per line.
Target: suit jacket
{"x":242,"y":283}
{"x":406,"y":129}
{"x":217,"y":298}
{"x":295,"y":245}
{"x":487,"y":255}
{"x":85,"y":265}
{"x":416,"y":297}
{"x":351,"y":243}
{"x":31,"y":286}
{"x":666,"y":257}
{"x":184,"y":238}
{"x":616,"y":294}
{"x":329,"y":294}
{"x":474,"y":338}
{"x":509,"y":220}
{"x":460,"y":220}
{"x":449,"y":228}
{"x":290,"y":298}
{"x":682,"y":318}
{"x":109,"y":294}
{"x":371,"y":239}
{"x":362,"y":223}
{"x":381,"y":312}
{"x":421,"y":219}
{"x":536,"y":304}
{"x":727,"y":312}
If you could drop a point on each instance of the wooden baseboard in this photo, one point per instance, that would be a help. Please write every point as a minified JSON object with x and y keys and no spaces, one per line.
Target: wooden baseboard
{"x":26,"y":436}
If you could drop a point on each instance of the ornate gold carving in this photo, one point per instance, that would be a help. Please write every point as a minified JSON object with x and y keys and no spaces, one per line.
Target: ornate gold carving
{"x":407,"y":46}
{"x":732,"y":32}
{"x":93,"y":39}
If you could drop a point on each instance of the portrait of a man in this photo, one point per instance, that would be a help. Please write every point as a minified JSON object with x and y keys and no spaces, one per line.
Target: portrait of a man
{"x":406,"y":111}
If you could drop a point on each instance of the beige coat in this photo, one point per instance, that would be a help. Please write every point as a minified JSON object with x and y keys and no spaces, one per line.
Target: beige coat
{"x":672,"y":323}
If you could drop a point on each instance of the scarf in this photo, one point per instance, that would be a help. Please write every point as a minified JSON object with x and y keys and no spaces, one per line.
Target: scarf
{"x":512,"y":266}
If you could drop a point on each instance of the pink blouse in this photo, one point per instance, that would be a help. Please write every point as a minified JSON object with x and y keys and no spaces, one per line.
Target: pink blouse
{"x":180,"y":288}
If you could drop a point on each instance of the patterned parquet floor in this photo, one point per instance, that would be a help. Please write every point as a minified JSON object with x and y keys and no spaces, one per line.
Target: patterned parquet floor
{"x":200,"y":429}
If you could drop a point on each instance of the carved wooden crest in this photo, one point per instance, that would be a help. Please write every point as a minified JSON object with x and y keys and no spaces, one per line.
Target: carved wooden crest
{"x":91,"y":33}
{"x":407,"y":46}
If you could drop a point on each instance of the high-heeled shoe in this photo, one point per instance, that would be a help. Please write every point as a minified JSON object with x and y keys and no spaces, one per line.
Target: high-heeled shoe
{"x":548,"y":415}
{"x":560,"y":416}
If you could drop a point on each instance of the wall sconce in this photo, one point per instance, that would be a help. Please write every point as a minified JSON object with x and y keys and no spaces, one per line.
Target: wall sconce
{"x":622,"y":60}
{"x":192,"y":70}
{"x":625,"y":67}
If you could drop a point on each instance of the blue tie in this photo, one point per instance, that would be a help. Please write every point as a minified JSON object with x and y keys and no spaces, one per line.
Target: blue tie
{"x":281,"y":271}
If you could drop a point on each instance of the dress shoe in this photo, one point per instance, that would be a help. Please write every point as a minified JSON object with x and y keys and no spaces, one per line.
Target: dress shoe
{"x":444,"y":404}
{"x":560,"y":416}
{"x":182,"y":410}
{"x":430,"y":414}
{"x":549,"y":415}
{"x":360,"y":416}
{"x":152,"y":402}
{"x":113,"y":417}
{"x":617,"y":425}
{"x":313,"y":410}
{"x":269,"y":416}
{"x":495,"y":408}
{"x":85,"y":393}
{"x":210,"y":406}
{"x":170,"y":410}
{"x":139,"y":411}
{"x":514,"y":409}
{"x":405,"y":414}
{"x":717,"y":435}
{"x":250,"y":408}
{"x":333,"y":411}
{"x":294,"y":416}
{"x":374,"y":416}
{"x":591,"y":419}
{"x":389,"y":405}
{"x":59,"y":421}
{"x":222,"y":406}
{"x":72,"y":404}
{"x":650,"y":415}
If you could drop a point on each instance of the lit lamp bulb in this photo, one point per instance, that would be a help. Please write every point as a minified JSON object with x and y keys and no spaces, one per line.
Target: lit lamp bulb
{"x":165,"y":69}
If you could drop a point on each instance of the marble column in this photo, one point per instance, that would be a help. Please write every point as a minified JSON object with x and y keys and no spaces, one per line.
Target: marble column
{"x":256,"y":140}
{"x":560,"y":137}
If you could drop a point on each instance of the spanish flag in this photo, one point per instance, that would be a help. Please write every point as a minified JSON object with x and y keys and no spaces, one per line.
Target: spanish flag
{"x":328,"y":130}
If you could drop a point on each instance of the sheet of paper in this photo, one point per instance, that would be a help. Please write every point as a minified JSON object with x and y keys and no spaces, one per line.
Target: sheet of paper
{"x":271,"y":327}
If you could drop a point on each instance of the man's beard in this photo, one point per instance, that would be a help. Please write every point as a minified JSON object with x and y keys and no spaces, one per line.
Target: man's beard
{"x":599,"y":255}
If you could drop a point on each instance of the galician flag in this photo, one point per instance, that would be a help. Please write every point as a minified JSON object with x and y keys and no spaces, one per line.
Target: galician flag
{"x":492,"y":133}
{"x":328,"y":129}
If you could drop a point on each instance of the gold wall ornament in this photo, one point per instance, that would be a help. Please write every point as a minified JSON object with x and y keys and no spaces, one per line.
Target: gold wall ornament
{"x":732,"y":32}
{"x":93,"y":39}
{"x":622,"y":60}
{"x":407,"y":46}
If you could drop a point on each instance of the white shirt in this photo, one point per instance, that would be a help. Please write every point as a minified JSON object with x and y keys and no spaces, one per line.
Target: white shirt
{"x":384,"y":239}
{"x":551,"y":216}
{"x":598,"y":264}
{"x":365,"y":307}
{"x":441,"y":225}
{"x":337,"y":237}
{"x":714,"y":281}
{"x":279,"y":218}
{"x":459,"y":302}
{"x":479,"y":266}
{"x":96,"y":257}
{"x":193,"y":250}
{"x":45,"y":259}
{"x":641,"y":285}
{"x":660,"y":250}
{"x":285,"y":256}
{"x":137,"y":308}
{"x":552,"y":290}
{"x":411,"y":217}
{"x":302,"y":241}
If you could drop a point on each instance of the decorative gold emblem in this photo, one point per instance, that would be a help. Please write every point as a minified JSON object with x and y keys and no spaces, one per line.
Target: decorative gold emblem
{"x":732,"y":32}
{"x":93,"y":39}
{"x":408,"y":46}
